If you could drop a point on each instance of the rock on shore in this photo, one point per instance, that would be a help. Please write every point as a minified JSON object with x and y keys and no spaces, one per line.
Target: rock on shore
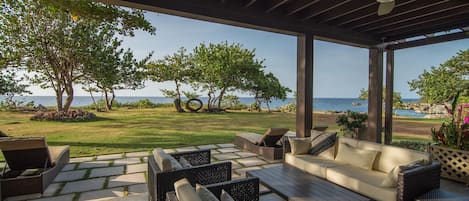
{"x":432,"y":110}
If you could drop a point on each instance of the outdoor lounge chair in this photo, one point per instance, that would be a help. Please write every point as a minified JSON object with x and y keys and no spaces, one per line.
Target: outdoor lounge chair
{"x":246,"y":189}
{"x":202,"y":172}
{"x":31,"y":165}
{"x":266,"y":145}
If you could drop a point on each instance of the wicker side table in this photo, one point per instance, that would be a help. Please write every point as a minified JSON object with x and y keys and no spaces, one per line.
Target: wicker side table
{"x":441,"y":195}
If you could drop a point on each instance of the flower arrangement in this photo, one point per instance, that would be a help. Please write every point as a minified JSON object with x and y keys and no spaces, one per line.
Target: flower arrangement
{"x":455,"y":132}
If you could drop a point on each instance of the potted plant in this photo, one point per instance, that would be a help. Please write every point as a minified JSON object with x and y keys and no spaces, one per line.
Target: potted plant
{"x":353,"y":124}
{"x":452,"y":143}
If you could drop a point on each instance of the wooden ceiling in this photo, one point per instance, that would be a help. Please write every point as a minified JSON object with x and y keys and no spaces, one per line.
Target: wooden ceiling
{"x":353,"y":22}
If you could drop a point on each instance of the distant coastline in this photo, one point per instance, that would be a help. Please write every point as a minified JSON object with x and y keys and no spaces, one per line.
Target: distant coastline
{"x":319,"y":104}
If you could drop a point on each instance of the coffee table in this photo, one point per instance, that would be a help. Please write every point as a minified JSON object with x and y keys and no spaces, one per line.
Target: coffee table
{"x":293,"y":184}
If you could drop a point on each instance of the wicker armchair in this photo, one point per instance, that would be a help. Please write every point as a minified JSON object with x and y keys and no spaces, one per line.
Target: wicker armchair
{"x":202,"y":172}
{"x":417,"y":181}
{"x":241,"y":190}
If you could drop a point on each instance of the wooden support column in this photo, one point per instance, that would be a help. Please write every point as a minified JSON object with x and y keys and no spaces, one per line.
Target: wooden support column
{"x":375,"y":95}
{"x":389,"y":96}
{"x":304,"y":85}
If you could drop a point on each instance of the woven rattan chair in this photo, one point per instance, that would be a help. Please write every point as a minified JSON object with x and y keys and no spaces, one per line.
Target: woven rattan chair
{"x":202,"y":172}
{"x":31,"y":165}
{"x":265,"y":145}
{"x":240,"y":190}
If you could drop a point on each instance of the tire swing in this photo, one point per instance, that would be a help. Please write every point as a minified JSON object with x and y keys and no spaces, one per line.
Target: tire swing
{"x":188,"y":105}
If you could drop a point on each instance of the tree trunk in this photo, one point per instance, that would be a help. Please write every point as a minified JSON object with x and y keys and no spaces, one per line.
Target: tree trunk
{"x":106,"y":100}
{"x":268,"y":106}
{"x":58,"y":97}
{"x":69,"y":99}
{"x":209,"y":102}
{"x":113,"y":97}
{"x":96,"y":106}
{"x":177,"y":101}
{"x":220,"y":98}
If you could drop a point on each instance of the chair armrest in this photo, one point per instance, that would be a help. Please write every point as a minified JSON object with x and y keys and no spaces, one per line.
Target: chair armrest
{"x":203,"y":174}
{"x":195,"y":158}
{"x":246,"y":189}
{"x":417,"y":181}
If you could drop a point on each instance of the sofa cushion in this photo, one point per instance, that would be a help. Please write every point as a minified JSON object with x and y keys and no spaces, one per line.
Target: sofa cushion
{"x":354,"y":156}
{"x":184,"y":191}
{"x":165,"y":161}
{"x":184,"y":163}
{"x":299,"y":145}
{"x":314,"y":165}
{"x":363,"y":181}
{"x":204,"y":193}
{"x":322,"y":143}
{"x":391,"y":156}
{"x":225,"y":196}
{"x":392,"y":176}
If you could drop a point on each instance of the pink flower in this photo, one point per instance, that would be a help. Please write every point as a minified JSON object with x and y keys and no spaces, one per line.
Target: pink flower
{"x":466,"y":119}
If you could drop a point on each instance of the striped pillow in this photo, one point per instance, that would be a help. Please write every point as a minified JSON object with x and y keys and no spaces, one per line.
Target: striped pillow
{"x":322,"y":143}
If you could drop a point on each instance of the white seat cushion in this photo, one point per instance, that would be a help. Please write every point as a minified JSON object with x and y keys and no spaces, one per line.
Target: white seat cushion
{"x":362,"y":181}
{"x":184,"y":191}
{"x":314,"y":165}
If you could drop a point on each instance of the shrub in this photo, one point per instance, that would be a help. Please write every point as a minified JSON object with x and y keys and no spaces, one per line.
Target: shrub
{"x":72,"y":115}
{"x":415,"y":145}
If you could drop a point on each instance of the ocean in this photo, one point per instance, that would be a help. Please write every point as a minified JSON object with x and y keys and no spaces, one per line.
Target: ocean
{"x":319,"y":104}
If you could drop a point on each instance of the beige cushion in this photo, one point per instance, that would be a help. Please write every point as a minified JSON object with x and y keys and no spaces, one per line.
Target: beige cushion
{"x":362,"y":181}
{"x":314,"y":165}
{"x":391,"y":157}
{"x":358,"y":157}
{"x":315,"y":134}
{"x":251,"y":137}
{"x":328,"y":153}
{"x":204,"y":193}
{"x":392,"y":176}
{"x":184,"y":163}
{"x":299,"y":145}
{"x":225,"y":196}
{"x":165,"y":161}
{"x":184,"y":191}
{"x":56,"y":151}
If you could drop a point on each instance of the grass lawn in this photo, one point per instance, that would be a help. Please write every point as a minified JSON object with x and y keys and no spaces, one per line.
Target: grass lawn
{"x":143,"y":129}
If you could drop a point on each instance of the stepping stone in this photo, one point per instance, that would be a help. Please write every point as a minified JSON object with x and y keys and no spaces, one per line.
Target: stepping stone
{"x":169,"y":150}
{"x":82,"y":159}
{"x":126,"y":180}
{"x":235,"y":176}
{"x":184,"y":149}
{"x":83,"y":185}
{"x":243,"y":171}
{"x":253,"y":161}
{"x":226,"y":145}
{"x":270,"y":197}
{"x":70,"y":176}
{"x":227,"y":156}
{"x":245,"y":154}
{"x":228,"y":150}
{"x":272,"y":165}
{"x":137,"y":168}
{"x":109,"y":157}
{"x":52,"y":189}
{"x":235,"y":165}
{"x":126,"y":161}
{"x":102,"y":194}
{"x":136,"y":189}
{"x":102,"y":172}
{"x":24,"y":197}
{"x":208,"y":146}
{"x":214,"y":151}
{"x":137,"y":154}
{"x":94,"y":164}
{"x":68,"y":197}
{"x":69,"y":167}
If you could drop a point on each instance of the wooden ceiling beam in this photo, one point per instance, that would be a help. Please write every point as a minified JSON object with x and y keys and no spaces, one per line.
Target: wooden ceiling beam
{"x":461,"y":14}
{"x":249,"y":3}
{"x":273,"y":4}
{"x":433,"y":12}
{"x":430,"y":40}
{"x":343,"y":11}
{"x":326,"y":6}
{"x":299,"y":5}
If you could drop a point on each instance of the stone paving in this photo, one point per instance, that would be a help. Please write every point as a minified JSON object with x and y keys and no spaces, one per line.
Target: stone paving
{"x":122,"y":177}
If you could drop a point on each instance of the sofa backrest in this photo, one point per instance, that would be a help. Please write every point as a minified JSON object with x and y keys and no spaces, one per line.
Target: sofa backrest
{"x":388,"y":156}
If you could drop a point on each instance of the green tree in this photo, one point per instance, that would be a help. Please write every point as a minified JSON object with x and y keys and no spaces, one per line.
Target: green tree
{"x":440,"y":85}
{"x":55,"y":46}
{"x":222,"y":68}
{"x":396,"y":97}
{"x":176,"y":68}
{"x":11,"y":86}
{"x":267,"y":87}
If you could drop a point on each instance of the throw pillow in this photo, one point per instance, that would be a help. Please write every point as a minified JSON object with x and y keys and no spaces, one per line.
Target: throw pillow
{"x":299,"y":145}
{"x":225,"y":196}
{"x":184,"y":191}
{"x":357,"y":157}
{"x":315,"y":134}
{"x":184,"y":163}
{"x":322,"y":143}
{"x":204,"y":193}
{"x":165,"y":161}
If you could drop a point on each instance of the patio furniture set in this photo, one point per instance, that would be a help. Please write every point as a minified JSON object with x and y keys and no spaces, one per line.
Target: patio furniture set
{"x":320,"y":167}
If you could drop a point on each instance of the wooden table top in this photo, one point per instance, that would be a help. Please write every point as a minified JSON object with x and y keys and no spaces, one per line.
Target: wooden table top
{"x":296,"y":185}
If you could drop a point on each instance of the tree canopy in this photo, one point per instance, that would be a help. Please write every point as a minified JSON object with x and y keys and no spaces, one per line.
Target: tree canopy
{"x":442,"y":84}
{"x":396,"y":97}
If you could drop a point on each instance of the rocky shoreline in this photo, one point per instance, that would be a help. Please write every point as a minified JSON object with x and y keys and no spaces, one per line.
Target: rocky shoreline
{"x":431,"y":110}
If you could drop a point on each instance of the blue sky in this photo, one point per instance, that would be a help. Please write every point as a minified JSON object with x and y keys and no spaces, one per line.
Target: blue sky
{"x":339,"y":71}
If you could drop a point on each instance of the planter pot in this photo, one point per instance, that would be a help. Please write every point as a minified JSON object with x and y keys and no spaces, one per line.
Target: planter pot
{"x":454,"y":162}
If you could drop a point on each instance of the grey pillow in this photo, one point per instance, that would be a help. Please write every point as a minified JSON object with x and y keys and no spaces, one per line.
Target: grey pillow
{"x":204,"y":193}
{"x":225,"y":196}
{"x":165,"y":161}
{"x":184,"y":163}
{"x":184,"y":191}
{"x":322,"y":143}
